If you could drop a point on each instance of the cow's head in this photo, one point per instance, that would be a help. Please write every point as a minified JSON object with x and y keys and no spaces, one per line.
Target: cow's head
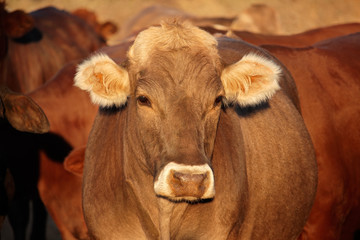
{"x":175,"y":86}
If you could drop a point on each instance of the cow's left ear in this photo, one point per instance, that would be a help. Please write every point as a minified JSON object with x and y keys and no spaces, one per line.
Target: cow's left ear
{"x":251,"y":80}
{"x":107,"y":82}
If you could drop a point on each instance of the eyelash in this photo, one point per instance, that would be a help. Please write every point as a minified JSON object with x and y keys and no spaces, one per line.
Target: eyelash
{"x":218,"y":100}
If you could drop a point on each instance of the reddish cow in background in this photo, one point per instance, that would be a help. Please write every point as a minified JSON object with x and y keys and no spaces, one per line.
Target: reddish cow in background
{"x":327,"y":78}
{"x":303,"y":39}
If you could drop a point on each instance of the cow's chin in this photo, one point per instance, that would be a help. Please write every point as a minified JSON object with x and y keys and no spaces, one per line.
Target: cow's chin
{"x":189,"y":183}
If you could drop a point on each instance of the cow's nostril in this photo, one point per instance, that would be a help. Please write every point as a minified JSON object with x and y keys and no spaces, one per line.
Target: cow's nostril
{"x":189,"y":178}
{"x":187,"y":184}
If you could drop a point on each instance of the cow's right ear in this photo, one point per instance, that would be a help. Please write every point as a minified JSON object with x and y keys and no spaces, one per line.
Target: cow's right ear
{"x":107,"y":82}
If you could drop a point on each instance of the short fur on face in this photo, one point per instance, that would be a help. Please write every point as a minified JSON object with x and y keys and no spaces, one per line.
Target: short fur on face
{"x":171,"y":36}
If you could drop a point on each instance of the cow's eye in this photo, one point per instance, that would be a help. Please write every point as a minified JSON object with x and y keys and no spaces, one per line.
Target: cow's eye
{"x":218,"y":101}
{"x":142,"y":100}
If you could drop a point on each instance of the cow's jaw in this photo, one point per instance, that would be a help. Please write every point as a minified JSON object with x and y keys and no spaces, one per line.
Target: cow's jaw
{"x":180,"y":182}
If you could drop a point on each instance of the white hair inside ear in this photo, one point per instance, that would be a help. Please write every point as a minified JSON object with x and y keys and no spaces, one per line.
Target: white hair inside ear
{"x":251,"y":80}
{"x":107,"y":82}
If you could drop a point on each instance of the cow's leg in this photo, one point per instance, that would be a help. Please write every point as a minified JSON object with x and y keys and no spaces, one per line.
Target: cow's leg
{"x":19,"y":217}
{"x":38,"y":231}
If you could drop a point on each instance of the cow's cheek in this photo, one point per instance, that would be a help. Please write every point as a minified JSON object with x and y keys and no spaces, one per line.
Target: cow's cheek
{"x":148,"y":129}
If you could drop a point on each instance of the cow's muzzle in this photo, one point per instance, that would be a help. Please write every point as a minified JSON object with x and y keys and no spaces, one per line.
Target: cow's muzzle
{"x":179,"y":182}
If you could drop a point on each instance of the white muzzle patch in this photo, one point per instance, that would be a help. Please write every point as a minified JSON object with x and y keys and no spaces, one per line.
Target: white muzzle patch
{"x":180,"y":182}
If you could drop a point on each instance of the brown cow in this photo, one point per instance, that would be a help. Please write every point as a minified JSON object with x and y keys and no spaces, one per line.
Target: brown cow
{"x":258,"y":18}
{"x":154,"y":14}
{"x":327,"y":78}
{"x":303,"y":39}
{"x":71,"y":115}
{"x":35,"y":46}
{"x":106,"y":29}
{"x":18,"y":112}
{"x":180,"y":140}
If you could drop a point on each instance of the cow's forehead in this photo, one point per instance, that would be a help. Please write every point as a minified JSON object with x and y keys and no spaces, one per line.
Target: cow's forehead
{"x":171,"y":36}
{"x":190,"y":73}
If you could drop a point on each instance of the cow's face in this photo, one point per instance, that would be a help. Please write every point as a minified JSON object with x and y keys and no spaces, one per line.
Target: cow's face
{"x":177,"y":100}
{"x":177,"y":87}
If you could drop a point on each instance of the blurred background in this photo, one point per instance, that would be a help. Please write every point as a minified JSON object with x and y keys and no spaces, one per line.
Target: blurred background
{"x":292,"y":16}
{"x":280,"y":16}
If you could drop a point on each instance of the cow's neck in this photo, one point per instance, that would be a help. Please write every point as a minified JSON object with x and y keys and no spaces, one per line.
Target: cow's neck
{"x":165,"y":211}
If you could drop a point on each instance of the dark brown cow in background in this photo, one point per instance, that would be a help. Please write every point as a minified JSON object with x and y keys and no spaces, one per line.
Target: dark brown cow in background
{"x":174,"y":143}
{"x":49,"y":39}
{"x":22,"y":113}
{"x":70,"y":114}
{"x":33,"y":48}
{"x":327,"y":77}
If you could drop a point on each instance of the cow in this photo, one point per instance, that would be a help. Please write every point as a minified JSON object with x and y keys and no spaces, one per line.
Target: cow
{"x":303,"y":39}
{"x":327,"y":78}
{"x":34,"y":46}
{"x":258,"y":18}
{"x":153,"y":15}
{"x":19,"y":112}
{"x":106,"y":29}
{"x":70,"y":114}
{"x":194,"y":140}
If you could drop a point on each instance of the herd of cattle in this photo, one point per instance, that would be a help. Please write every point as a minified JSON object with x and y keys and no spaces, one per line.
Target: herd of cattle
{"x":186,"y":129}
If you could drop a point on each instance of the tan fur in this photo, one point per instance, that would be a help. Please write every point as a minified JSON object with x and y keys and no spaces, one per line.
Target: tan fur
{"x":107,"y":82}
{"x":171,"y":37}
